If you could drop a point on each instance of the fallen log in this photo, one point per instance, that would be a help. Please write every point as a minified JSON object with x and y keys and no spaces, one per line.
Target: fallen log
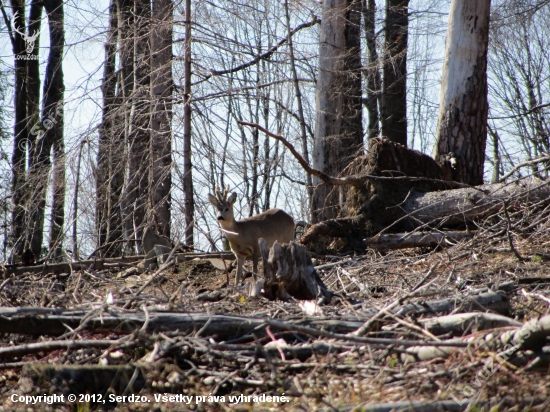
{"x":68,"y":267}
{"x":412,"y":208}
{"x":451,"y":207}
{"x":52,"y":321}
{"x":56,"y":321}
{"x":460,"y":323}
{"x":487,"y":300}
{"x":100,"y":264}
{"x":505,"y":341}
{"x":418,"y":239}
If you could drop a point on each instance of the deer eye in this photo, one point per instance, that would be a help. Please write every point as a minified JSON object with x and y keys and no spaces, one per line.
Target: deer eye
{"x":227,"y":209}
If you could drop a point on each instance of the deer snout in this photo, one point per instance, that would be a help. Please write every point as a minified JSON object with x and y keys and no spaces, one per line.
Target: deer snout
{"x":220,"y":218}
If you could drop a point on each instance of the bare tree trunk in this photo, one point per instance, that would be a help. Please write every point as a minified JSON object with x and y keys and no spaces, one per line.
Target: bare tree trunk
{"x":136,"y":186}
{"x":20,"y":132}
{"x":33,"y":80}
{"x":76,"y":254}
{"x":372,"y":72}
{"x":126,"y":22}
{"x":338,"y":125}
{"x":187,"y":165}
{"x":109,"y":173}
{"x":394,"y":94}
{"x":54,"y":107}
{"x":462,"y":123}
{"x":35,"y":129}
{"x":161,"y":114}
{"x":52,"y":120}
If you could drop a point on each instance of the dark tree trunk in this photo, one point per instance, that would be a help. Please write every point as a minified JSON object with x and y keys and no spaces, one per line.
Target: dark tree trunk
{"x":187,"y":166}
{"x":20,"y":132}
{"x":394,"y":94}
{"x":52,"y":122}
{"x":33,"y":80}
{"x":338,"y":125}
{"x":135,"y":59}
{"x":372,"y":71}
{"x":109,"y":174}
{"x":462,"y":123}
{"x":161,"y":114}
{"x":126,"y":23}
{"x":53,"y":106}
{"x":140,"y":136}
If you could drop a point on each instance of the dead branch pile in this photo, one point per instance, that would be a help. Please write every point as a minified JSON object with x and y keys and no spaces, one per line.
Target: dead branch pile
{"x":432,"y":329}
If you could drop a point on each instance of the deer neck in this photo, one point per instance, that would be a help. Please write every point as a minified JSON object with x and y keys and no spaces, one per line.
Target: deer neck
{"x":230,"y":226}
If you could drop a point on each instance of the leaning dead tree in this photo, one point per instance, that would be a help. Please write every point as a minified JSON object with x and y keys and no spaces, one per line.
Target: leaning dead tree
{"x":395,"y":189}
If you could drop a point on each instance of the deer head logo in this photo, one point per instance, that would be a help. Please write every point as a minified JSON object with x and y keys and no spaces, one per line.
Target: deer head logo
{"x":29,"y":40}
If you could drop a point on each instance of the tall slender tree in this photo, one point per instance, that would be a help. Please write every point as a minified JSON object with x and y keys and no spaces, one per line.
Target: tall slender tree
{"x":50,"y":136}
{"x":187,"y":165}
{"x":372,"y":70}
{"x":109,"y":173}
{"x":54,"y":89}
{"x":20,"y":128}
{"x":162,"y":85}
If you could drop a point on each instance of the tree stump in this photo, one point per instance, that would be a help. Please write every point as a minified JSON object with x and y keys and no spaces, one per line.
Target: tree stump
{"x":289,"y":272}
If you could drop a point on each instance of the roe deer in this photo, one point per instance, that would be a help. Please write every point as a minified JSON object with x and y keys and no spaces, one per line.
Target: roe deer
{"x":243,"y":235}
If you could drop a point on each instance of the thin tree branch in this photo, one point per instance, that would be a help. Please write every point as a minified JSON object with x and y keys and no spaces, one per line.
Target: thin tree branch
{"x":265,"y":55}
{"x":335,"y":181}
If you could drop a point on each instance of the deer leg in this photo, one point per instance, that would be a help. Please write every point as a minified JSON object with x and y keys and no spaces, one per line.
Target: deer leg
{"x":255,"y":258}
{"x":240,"y":262}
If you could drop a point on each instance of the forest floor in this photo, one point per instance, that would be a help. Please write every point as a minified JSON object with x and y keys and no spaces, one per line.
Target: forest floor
{"x":321,"y":368}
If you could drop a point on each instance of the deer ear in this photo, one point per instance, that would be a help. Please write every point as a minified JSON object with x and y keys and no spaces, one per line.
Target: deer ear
{"x":231,"y":199}
{"x":212,"y":200}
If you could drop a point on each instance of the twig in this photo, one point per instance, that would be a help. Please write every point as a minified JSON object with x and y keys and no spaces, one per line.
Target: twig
{"x":365,"y":328}
{"x":523,"y":164}
{"x":50,"y":346}
{"x":354,"y":338}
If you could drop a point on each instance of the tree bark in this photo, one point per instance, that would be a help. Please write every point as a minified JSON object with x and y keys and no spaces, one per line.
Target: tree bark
{"x":394,"y":241}
{"x":20,"y":133}
{"x":338,"y":124}
{"x":372,"y":72}
{"x":442,"y":209}
{"x":161,"y":114}
{"x":136,"y":186}
{"x":33,"y":79}
{"x":462,"y":122}
{"x":187,"y":165}
{"x":394,"y":94}
{"x":54,"y":8}
{"x":289,"y":272}
{"x":109,"y":172}
{"x":126,"y":23}
{"x":52,"y":121}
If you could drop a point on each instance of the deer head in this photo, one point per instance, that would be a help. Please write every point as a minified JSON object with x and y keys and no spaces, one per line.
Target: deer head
{"x":223,"y":205}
